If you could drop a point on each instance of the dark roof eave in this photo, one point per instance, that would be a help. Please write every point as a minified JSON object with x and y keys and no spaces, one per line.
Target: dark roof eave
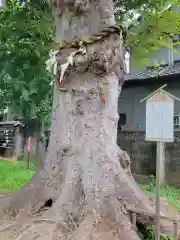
{"x":14,"y":123}
{"x":166,"y":71}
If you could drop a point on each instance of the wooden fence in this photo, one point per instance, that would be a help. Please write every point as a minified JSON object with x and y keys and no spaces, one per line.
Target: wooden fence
{"x":134,"y":212}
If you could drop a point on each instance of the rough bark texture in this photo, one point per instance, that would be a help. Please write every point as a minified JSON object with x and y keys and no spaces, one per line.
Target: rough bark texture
{"x":85,"y":174}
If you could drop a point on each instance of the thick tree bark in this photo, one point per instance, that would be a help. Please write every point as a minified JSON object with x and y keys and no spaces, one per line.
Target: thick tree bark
{"x":85,"y":174}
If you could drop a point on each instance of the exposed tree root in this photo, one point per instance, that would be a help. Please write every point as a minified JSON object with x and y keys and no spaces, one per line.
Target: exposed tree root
{"x":100,"y":216}
{"x":92,"y":207}
{"x":89,"y":230}
{"x":97,"y":215}
{"x":37,"y":231}
{"x":99,"y":208}
{"x":7,"y":227}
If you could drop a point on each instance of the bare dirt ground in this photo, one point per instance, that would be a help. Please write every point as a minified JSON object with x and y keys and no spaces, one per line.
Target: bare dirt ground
{"x":3,"y":197}
{"x":43,"y":229}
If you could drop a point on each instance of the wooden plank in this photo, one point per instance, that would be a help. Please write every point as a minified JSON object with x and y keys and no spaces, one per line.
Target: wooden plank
{"x":9,"y":147}
{"x":9,"y":141}
{"x":175,"y":230}
{"x":9,"y":135}
{"x":3,"y":136}
{"x":134,"y":219}
{"x":7,"y":128}
{"x":151,"y":215}
{"x":6,"y":133}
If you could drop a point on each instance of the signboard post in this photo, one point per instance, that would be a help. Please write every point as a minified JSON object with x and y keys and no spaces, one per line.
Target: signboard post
{"x":160,"y":129}
{"x":159,"y":160}
{"x":29,"y":150}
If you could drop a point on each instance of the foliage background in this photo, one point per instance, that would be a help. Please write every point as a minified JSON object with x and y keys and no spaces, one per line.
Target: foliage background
{"x":26,"y":37}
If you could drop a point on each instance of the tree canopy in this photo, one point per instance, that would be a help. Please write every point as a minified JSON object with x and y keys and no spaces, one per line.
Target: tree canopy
{"x":26,"y":37}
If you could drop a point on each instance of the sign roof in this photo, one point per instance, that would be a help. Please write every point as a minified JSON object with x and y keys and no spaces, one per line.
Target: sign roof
{"x":160,"y":95}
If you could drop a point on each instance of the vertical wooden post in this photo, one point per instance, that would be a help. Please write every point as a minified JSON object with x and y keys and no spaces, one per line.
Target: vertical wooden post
{"x":18,"y":143}
{"x":162,"y":163}
{"x":159,"y":159}
{"x":175,"y":230}
{"x":134,"y":219}
{"x":29,"y":150}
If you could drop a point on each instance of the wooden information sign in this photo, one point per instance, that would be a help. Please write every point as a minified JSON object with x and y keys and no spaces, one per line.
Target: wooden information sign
{"x":160,"y":129}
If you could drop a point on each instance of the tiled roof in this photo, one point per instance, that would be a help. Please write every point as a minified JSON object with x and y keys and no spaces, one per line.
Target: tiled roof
{"x":155,"y":72}
{"x":15,"y":123}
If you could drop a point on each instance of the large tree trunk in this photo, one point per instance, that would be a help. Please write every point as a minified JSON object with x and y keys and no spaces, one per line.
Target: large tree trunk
{"x":85,"y":175}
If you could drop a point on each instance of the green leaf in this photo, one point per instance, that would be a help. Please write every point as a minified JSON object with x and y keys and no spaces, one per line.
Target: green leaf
{"x":25,"y":95}
{"x":26,"y":33}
